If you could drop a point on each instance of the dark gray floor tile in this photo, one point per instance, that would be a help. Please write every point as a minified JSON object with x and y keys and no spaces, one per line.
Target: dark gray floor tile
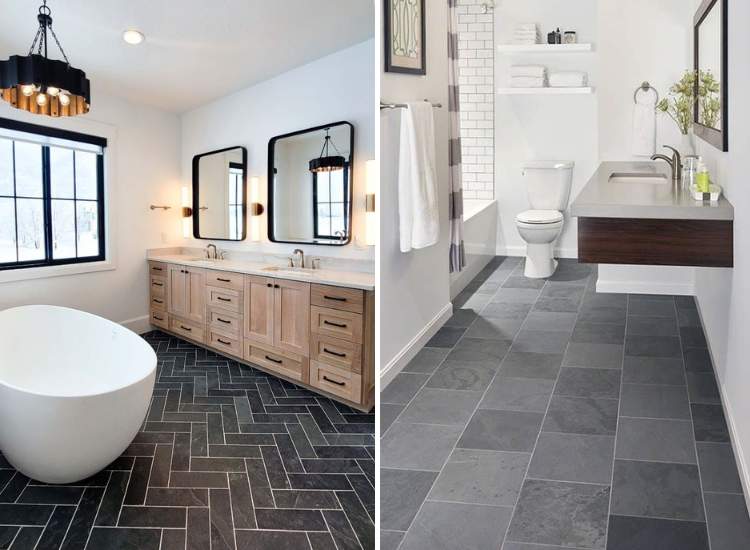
{"x":564,"y":514}
{"x":656,"y":440}
{"x":693,"y":337}
{"x":540,"y":341}
{"x":518,"y":394}
{"x":517,"y":281}
{"x":650,"y":307}
{"x":494,"y":328}
{"x":476,"y":303}
{"x":633,"y":533}
{"x":481,"y":477}
{"x":581,"y":416}
{"x":461,"y":318}
{"x":389,"y":540}
{"x":652,"y":346}
{"x":417,"y":446}
{"x":449,"y":526}
{"x":516,"y":295}
{"x":649,"y":401}
{"x":571,"y":457}
{"x":702,"y":388}
{"x":688,"y":317}
{"x":655,"y":489}
{"x":278,"y":540}
{"x":527,"y":546}
{"x":685,"y":303}
{"x":718,"y":468}
{"x":501,"y":431}
{"x":587,"y":332}
{"x":569,"y":305}
{"x":652,"y":326}
{"x":560,"y":290}
{"x":464,"y":375}
{"x":522,"y":364}
{"x":479,"y":350}
{"x":605,"y":299}
{"x":446,"y":337}
{"x":388,"y":414}
{"x":602,"y":356}
{"x":653,"y":370}
{"x":709,"y":423}
{"x":401,"y":494}
{"x":592,"y":313}
{"x":426,"y":361}
{"x":438,"y":406}
{"x":403,"y":388}
{"x":588,"y":382}
{"x":550,"y":321}
{"x":728,"y":522}
{"x":506,"y":311}
{"x":122,"y":539}
{"x":697,"y":360}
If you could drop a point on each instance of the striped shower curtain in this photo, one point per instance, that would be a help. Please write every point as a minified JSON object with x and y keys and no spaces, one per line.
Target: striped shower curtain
{"x":455,"y":200}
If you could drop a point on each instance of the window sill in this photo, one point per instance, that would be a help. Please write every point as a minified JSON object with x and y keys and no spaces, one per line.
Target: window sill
{"x":44,"y":272}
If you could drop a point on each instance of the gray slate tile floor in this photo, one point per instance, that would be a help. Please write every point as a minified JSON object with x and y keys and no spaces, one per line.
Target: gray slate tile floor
{"x":228,"y":457}
{"x":546,"y":416}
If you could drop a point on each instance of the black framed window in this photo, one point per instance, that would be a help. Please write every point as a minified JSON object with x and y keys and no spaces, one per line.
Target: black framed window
{"x":236,"y":179}
{"x":330,"y":203}
{"x":51,"y":196}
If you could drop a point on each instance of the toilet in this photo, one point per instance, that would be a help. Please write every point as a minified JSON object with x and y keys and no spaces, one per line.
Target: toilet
{"x":548,"y":185}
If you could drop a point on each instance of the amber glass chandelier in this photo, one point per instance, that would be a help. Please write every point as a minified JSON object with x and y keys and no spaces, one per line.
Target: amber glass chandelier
{"x":327,"y":162}
{"x":44,"y":86}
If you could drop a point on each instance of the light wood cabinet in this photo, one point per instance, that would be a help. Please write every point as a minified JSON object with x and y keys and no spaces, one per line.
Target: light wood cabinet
{"x":186,"y":292}
{"x":259,"y":293}
{"x":291,"y":316}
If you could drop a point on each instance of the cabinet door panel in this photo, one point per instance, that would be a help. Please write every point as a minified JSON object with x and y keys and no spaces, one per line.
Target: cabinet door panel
{"x":196,"y":294}
{"x":292,"y":316}
{"x":177,"y":295}
{"x":258,"y":296}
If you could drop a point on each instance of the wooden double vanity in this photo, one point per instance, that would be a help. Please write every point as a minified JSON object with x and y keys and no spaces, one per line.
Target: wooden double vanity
{"x":317,"y":335}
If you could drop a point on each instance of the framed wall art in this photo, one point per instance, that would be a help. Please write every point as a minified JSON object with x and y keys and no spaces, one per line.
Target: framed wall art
{"x":405,"y":36}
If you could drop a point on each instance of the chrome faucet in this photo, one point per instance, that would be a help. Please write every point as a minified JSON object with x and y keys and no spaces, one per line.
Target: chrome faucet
{"x":298,"y":254}
{"x":675,"y":163}
{"x":209,"y":255}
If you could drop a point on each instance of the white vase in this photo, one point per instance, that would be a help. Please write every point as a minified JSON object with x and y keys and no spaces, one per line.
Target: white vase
{"x":687,"y":146}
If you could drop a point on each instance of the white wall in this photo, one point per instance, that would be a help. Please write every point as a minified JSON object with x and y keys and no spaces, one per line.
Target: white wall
{"x":414,"y":288}
{"x":146,"y":154}
{"x":334,"y":88}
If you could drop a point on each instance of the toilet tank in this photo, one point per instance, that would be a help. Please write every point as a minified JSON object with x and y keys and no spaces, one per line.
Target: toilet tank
{"x":548,"y":183}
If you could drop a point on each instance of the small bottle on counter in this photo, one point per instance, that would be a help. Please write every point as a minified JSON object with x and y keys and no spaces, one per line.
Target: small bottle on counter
{"x":702,"y":178}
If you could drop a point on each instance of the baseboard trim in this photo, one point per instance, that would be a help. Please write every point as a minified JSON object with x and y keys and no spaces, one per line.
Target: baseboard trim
{"x":520,"y":251}
{"x":139,"y":325}
{"x":645,"y":287}
{"x":402,"y":358}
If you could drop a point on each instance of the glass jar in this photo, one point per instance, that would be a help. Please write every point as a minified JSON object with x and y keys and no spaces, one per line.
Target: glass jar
{"x":690,"y":165}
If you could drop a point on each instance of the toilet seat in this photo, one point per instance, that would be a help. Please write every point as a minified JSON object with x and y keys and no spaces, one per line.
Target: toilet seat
{"x":539,"y":217}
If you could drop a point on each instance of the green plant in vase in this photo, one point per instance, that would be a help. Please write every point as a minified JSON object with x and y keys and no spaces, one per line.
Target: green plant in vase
{"x":708,"y":99}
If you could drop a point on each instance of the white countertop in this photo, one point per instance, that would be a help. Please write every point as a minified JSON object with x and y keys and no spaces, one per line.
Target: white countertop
{"x":349,"y":279}
{"x":602,"y":198}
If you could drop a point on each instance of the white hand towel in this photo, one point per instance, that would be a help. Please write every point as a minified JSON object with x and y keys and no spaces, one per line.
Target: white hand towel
{"x":528,"y":82}
{"x":567,"y":79}
{"x":644,"y":125}
{"x":538,"y":71}
{"x":418,"y":211}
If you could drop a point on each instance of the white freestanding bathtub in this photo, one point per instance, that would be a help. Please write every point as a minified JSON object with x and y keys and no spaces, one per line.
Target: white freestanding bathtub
{"x":74,"y":390}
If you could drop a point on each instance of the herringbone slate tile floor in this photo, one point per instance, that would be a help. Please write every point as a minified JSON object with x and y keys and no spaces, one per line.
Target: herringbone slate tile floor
{"x":228,"y":457}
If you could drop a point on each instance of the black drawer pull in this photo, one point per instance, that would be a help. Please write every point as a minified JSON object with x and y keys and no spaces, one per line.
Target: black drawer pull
{"x":276,"y":286}
{"x":158,"y":301}
{"x":334,"y":298}
{"x":333,"y":381}
{"x":338,"y":325}
{"x":157,"y":269}
{"x":158,"y":318}
{"x":277,"y":361}
{"x":223,"y":280}
{"x":269,"y":285}
{"x":223,"y":342}
{"x":223,"y":299}
{"x":186,"y":328}
{"x":157,"y":284}
{"x":223,"y":321}
{"x":337,"y":354}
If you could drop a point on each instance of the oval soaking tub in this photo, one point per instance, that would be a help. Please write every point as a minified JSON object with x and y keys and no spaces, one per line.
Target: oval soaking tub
{"x":74,"y":390}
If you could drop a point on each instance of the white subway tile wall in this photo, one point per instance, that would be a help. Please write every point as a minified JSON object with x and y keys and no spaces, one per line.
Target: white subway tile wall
{"x":476,"y":47}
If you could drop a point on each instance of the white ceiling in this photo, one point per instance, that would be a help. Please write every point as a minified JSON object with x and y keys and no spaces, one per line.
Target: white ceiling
{"x":195,"y":50}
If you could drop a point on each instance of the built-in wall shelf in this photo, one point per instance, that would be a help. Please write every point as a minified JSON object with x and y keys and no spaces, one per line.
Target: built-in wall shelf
{"x":544,"y":48}
{"x":546,"y":91}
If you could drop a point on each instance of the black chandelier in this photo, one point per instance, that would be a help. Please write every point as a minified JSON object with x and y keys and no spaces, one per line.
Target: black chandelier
{"x":327,"y":162}
{"x":44,"y":86}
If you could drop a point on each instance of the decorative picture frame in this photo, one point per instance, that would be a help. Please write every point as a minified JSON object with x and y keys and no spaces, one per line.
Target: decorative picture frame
{"x":405,"y":37}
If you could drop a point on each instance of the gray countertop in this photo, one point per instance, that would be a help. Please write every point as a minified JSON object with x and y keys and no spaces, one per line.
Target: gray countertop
{"x":602,"y":198}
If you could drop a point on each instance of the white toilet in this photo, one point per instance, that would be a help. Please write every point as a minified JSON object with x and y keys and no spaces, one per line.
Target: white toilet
{"x":548,"y":185}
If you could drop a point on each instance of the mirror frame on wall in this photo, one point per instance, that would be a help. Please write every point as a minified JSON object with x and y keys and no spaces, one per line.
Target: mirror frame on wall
{"x":271,"y":178}
{"x":196,"y":194}
{"x":719,"y":138}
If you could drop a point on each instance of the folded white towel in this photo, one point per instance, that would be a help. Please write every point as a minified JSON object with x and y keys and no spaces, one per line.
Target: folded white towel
{"x":538,"y":71}
{"x":528,"y":82}
{"x":644,"y":125}
{"x":418,"y":210}
{"x":568,"y":79}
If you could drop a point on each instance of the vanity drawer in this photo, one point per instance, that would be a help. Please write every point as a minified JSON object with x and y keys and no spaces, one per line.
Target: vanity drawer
{"x":160,"y":319}
{"x":225,"y":322}
{"x":158,"y":303}
{"x":191,"y":331}
{"x":157,"y":268}
{"x":335,"y":297}
{"x":158,"y":286}
{"x":224,"y":298}
{"x":341,"y":382}
{"x":225,"y":279}
{"x":224,"y":343}
{"x":337,"y":323}
{"x":290,"y":365}
{"x":335,"y":352}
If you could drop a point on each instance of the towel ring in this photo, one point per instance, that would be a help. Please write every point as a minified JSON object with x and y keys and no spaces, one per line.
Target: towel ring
{"x":645,"y":87}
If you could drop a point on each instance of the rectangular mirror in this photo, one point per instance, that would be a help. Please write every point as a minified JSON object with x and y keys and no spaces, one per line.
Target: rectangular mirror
{"x":220,"y":194}
{"x":310,"y":185}
{"x":710,"y":58}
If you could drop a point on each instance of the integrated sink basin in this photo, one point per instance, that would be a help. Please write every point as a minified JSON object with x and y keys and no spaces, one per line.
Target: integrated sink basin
{"x":290,"y":270}
{"x":638,"y":177}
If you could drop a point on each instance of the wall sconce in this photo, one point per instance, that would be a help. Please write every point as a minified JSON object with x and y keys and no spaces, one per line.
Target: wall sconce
{"x":187,"y":213}
{"x":256,"y":209}
{"x":371,"y":218}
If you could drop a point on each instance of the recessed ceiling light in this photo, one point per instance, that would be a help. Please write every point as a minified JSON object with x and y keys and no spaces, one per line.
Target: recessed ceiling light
{"x":132,"y":36}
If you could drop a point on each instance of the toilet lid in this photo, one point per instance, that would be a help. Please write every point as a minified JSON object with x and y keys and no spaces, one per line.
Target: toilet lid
{"x":540,"y":216}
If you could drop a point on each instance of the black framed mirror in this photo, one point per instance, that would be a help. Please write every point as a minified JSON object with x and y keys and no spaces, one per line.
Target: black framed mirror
{"x":710,"y":51}
{"x":220,"y":195}
{"x":310,"y":182}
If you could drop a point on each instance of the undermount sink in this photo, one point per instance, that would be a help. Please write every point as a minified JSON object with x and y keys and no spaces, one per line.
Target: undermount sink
{"x":200,"y":261}
{"x":638,"y":177}
{"x":290,"y":270}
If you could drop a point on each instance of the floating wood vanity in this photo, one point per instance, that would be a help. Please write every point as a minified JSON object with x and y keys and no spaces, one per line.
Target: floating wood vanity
{"x":317,"y":333}
{"x":632,"y":213}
